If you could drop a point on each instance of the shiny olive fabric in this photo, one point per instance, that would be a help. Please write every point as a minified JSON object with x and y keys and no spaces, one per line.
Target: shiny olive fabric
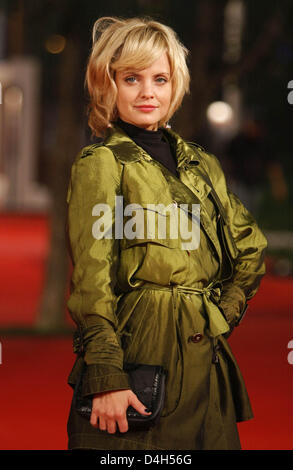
{"x":149,"y":301}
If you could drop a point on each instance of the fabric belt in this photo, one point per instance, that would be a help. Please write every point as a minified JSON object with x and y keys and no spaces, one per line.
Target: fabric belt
{"x":211,"y":295}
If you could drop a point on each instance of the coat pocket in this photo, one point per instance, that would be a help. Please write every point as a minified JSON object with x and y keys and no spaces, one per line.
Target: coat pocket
{"x":151,"y":226}
{"x":153,"y":258}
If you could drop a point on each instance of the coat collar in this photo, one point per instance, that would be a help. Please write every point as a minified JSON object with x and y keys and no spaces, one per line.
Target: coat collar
{"x":127,"y":151}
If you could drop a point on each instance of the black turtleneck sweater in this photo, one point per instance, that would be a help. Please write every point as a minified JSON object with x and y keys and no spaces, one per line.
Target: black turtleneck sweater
{"x":153,"y":142}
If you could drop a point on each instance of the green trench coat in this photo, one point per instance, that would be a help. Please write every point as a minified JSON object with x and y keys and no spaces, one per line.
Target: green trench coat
{"x":149,"y":300}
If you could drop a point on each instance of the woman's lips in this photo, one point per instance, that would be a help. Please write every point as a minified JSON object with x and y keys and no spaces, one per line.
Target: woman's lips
{"x":146,"y":108}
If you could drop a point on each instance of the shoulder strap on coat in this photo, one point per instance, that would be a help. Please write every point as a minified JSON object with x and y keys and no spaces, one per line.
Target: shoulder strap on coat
{"x":89,"y":150}
{"x":194,"y":144}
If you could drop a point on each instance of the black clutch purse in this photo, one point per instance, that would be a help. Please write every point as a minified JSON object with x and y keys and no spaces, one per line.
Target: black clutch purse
{"x":146,"y":381}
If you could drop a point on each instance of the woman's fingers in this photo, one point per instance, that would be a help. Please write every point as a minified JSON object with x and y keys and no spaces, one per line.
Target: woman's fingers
{"x":94,"y":418}
{"x":111,"y":426}
{"x":102,"y":424}
{"x":138,"y":405}
{"x":122,"y":422}
{"x":109,"y":409}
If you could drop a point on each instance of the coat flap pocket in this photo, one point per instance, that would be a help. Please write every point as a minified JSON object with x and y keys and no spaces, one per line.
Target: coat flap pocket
{"x":169,"y":243}
{"x":150,"y":223}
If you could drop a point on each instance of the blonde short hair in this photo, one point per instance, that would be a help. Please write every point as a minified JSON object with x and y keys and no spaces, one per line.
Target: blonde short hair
{"x":123,"y":43}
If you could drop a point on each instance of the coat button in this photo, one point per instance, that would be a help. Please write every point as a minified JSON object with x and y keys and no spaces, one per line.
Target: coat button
{"x":195,"y":338}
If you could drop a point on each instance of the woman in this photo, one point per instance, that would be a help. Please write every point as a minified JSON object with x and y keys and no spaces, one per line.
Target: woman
{"x":150,"y":299}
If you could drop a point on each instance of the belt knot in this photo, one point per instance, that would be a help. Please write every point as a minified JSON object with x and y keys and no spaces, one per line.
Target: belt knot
{"x":217,"y":324}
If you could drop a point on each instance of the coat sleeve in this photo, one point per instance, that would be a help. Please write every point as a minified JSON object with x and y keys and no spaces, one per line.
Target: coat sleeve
{"x":95,"y":179}
{"x":246,"y":245}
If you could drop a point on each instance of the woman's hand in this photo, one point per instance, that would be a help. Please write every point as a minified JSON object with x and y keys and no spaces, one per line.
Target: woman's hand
{"x":110,"y":407}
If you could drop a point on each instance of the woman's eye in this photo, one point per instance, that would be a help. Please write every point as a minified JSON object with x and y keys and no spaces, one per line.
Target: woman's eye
{"x":130,"y":79}
{"x":161,"y":80}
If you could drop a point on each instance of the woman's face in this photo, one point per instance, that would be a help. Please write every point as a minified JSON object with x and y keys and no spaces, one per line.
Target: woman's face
{"x":144,"y":96}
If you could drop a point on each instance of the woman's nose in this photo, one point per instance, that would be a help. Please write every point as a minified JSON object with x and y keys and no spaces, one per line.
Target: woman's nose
{"x":146,"y":90}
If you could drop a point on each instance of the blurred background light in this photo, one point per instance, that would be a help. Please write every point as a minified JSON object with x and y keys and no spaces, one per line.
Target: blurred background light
{"x":234,"y":17}
{"x":13,"y":98}
{"x":55,"y":43}
{"x":220,"y":113}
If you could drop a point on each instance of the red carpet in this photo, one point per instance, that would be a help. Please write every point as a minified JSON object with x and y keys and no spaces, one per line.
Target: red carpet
{"x":23,"y":254}
{"x":34,"y":396}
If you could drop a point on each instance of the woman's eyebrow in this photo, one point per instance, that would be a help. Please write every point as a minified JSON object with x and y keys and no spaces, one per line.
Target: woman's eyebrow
{"x":137,"y":72}
{"x":128,"y":71}
{"x":162,"y":73}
